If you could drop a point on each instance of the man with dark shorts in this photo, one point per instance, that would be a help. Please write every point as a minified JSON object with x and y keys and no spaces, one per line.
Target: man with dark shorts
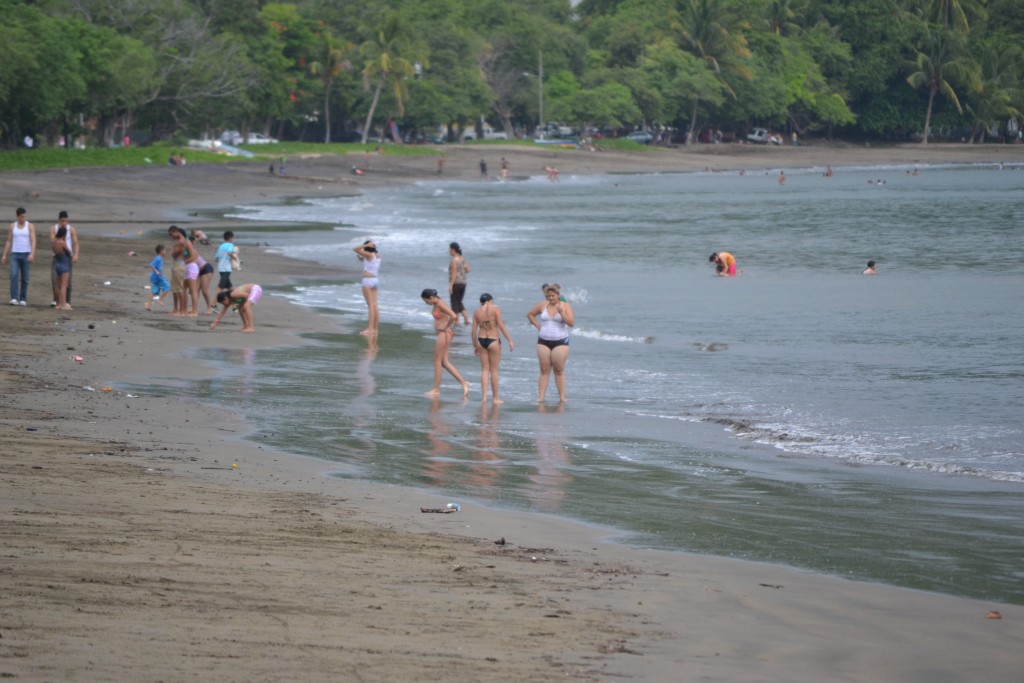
{"x":225,"y":255}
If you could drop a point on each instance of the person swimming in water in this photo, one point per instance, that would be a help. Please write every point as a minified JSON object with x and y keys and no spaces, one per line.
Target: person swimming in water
{"x":726,"y":260}
{"x":488,"y":325}
{"x":870,"y":270}
{"x":444,"y":318}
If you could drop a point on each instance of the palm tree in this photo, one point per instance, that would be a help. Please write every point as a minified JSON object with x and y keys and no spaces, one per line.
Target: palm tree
{"x":785,"y":16}
{"x":953,"y":14}
{"x":713,"y":31}
{"x":938,"y":63}
{"x":385,"y":61}
{"x":331,"y":65}
{"x":1000,"y":95}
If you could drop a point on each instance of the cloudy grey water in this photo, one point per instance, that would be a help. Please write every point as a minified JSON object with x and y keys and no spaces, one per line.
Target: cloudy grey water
{"x":801,"y":413}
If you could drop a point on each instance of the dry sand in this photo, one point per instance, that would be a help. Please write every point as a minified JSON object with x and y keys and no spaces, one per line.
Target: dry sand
{"x":133,"y":549}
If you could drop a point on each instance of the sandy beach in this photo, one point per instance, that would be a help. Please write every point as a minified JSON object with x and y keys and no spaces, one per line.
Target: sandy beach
{"x":146,"y":538}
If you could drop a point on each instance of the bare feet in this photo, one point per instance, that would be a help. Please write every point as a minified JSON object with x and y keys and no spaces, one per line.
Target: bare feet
{"x":497,"y":401}
{"x":192,"y":314}
{"x":148,"y":307}
{"x":432,"y":393}
{"x":248,"y":329}
{"x":209,"y":311}
{"x":368,"y":333}
{"x":66,"y":307}
{"x":465,"y":389}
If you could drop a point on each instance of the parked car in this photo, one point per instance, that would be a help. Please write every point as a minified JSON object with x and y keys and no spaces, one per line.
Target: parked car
{"x":495,"y":135}
{"x":233,"y":137}
{"x":641,"y":137}
{"x":760,"y":136}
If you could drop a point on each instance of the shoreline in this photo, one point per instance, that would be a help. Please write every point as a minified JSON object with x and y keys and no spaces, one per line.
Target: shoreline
{"x":135,"y":510}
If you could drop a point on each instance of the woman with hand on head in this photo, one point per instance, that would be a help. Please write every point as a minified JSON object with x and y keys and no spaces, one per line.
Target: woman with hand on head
{"x":367,"y":253}
{"x":552,"y":318}
{"x":487,"y":328}
{"x":444,"y":318}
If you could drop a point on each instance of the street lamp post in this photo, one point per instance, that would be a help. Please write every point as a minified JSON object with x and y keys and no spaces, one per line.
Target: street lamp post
{"x":540,"y":91}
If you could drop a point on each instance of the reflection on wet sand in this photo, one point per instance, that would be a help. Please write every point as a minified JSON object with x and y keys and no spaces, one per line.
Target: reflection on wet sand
{"x":550,"y":479}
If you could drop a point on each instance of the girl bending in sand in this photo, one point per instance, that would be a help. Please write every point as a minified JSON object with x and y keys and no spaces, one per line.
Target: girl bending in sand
{"x":444,"y":318}
{"x":243,"y":298}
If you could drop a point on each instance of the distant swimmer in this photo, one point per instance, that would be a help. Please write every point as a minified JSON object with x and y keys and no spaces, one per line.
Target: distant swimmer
{"x":782,"y":177}
{"x":870,"y":270}
{"x":828,"y":172}
{"x":725,"y":262}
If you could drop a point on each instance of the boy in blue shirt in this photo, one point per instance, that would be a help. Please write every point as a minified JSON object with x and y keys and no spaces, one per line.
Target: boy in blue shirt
{"x":227,"y":259}
{"x":158,"y":283}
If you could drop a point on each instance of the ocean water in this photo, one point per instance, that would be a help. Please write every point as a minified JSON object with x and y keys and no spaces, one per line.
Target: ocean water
{"x":801,"y":413}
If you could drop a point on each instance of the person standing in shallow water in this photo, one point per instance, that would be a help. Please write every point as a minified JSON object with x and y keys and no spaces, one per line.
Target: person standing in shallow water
{"x":458,"y":269}
{"x":552,"y":318}
{"x":488,"y":327}
{"x":444,"y":319}
{"x":370,"y":258}
{"x":870,"y":270}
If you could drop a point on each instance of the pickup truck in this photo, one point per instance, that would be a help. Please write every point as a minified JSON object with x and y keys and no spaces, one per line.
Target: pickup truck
{"x":760,"y":136}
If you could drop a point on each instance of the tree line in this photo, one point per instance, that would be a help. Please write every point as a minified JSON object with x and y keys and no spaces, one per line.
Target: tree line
{"x":317,"y":70}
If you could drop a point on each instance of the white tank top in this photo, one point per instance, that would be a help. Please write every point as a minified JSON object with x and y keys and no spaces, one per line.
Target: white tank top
{"x":372,"y":266}
{"x":22,"y":242}
{"x":67,"y":237}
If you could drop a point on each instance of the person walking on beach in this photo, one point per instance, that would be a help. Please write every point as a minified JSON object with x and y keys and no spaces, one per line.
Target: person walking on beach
{"x":243,"y":298}
{"x":488,"y":326}
{"x":62,"y":264}
{"x":726,"y":263}
{"x":158,"y":284}
{"x":444,"y":319}
{"x":226,"y":257}
{"x":20,"y":247}
{"x":458,"y":269}
{"x":72,"y":241}
{"x":440,"y":163}
{"x":483,"y":169}
{"x":552,"y":318}
{"x":178,"y":250}
{"x":370,"y":257}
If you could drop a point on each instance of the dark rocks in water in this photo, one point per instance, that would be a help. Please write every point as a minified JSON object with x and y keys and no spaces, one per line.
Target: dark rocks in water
{"x":713,"y":346}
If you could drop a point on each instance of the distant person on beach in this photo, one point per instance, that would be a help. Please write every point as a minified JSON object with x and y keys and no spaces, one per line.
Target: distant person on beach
{"x":504,"y":168}
{"x":20,"y":247}
{"x":870,"y":270}
{"x":243,"y":298}
{"x":726,"y":260}
{"x":483,"y":169}
{"x":62,"y":264}
{"x":552,"y":318}
{"x":444,"y":319}
{"x":488,"y":326}
{"x":828,"y":172}
{"x":159,"y":286}
{"x":226,"y":257}
{"x":367,"y":253}
{"x":458,"y":269}
{"x":440,"y":163}
{"x":206,"y":271}
{"x":71,"y":238}
{"x":199,"y":237}
{"x":782,"y":177}
{"x":178,"y":250}
{"x":192,"y":266}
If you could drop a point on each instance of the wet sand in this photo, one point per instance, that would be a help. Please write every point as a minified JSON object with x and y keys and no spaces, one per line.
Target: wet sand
{"x":135,"y":549}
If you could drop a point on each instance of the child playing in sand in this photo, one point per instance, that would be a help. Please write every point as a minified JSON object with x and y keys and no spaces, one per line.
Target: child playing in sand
{"x":158,"y":283}
{"x":242,"y":298}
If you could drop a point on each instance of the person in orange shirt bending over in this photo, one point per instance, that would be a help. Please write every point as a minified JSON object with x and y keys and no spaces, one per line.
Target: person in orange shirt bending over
{"x":726,"y":263}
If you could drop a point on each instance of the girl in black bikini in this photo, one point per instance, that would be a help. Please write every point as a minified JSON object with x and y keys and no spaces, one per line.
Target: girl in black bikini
{"x":487,"y":324}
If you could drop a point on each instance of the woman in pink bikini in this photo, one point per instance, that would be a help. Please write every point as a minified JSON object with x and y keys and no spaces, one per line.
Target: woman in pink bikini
{"x":243,"y":298}
{"x":444,"y":318}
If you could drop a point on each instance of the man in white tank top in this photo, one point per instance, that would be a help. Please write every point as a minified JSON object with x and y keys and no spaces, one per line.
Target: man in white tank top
{"x":21,"y":248}
{"x":72,"y":242}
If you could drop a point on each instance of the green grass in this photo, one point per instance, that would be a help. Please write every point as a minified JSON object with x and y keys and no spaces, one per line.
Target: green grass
{"x":43,"y":158}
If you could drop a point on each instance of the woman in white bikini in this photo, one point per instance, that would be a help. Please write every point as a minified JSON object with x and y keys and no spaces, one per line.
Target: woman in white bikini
{"x":552,"y":318}
{"x":367,"y":253}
